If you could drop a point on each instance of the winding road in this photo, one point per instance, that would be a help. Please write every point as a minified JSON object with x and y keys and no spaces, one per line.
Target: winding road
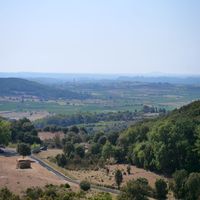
{"x":12,"y":152}
{"x":70,"y":180}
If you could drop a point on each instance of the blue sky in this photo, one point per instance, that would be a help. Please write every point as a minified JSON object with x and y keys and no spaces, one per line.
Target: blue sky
{"x":100,"y":36}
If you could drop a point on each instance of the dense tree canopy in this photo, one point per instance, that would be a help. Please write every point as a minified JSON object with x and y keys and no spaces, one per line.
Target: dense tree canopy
{"x":167,"y":143}
{"x":24,"y":131}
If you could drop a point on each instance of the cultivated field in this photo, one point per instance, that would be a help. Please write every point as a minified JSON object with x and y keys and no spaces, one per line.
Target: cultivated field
{"x":107,"y":97}
{"x":34,"y":115}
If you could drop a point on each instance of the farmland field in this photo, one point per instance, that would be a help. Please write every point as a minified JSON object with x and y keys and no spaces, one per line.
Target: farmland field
{"x":109,"y":97}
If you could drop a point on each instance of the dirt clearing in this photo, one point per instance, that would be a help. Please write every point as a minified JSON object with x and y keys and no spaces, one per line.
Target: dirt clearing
{"x":17,"y":180}
{"x":100,"y":176}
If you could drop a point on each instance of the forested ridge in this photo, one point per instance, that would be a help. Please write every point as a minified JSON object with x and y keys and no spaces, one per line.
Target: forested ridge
{"x":167,"y":143}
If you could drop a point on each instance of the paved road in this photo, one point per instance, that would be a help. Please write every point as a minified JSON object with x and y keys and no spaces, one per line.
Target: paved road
{"x":66,"y":178}
{"x":8,"y":152}
{"x":12,"y":152}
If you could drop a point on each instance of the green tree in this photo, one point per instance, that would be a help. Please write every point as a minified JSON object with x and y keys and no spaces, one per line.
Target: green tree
{"x":61,"y":160}
{"x":197,"y":143}
{"x":193,"y":186}
{"x":68,"y":149}
{"x":118,"y":153}
{"x":65,"y":130}
{"x":102,"y":140}
{"x":23,"y":149}
{"x":34,"y":193}
{"x":161,"y":189}
{"x":179,"y":181}
{"x":97,"y":136}
{"x":95,"y":148}
{"x":80,"y":151}
{"x":112,"y":138}
{"x":85,"y":185}
{"x":101,"y":196}
{"x":24,"y":131}
{"x":5,"y":135}
{"x":118,"y":178}
{"x":57,"y":141}
{"x":74,"y":129}
{"x":134,"y":190}
{"x":6,"y":194}
{"x":107,"y":151}
{"x":128,"y":169}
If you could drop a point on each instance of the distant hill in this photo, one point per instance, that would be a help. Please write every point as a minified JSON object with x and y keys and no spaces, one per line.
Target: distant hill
{"x":18,"y":87}
{"x":162,"y":79}
{"x":63,"y":77}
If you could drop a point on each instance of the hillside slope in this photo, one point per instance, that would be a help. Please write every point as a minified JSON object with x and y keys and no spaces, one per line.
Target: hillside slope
{"x":17,"y":86}
{"x":166,"y":143}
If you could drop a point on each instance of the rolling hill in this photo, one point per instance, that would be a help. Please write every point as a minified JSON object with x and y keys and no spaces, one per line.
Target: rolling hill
{"x":19,"y":87}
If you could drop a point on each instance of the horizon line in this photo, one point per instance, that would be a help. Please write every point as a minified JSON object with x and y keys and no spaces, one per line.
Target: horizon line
{"x":149,"y":74}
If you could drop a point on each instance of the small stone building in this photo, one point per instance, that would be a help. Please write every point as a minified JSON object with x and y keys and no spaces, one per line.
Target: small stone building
{"x":23,"y":163}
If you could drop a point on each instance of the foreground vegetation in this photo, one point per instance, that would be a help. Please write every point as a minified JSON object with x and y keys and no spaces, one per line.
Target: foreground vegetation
{"x":165,"y":144}
{"x":52,"y":192}
{"x":169,"y":144}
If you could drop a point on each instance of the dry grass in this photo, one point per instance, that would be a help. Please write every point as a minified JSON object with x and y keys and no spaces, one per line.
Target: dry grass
{"x":50,"y":135}
{"x":34,"y":115}
{"x":17,"y":180}
{"x":49,"y":153}
{"x":100,"y":176}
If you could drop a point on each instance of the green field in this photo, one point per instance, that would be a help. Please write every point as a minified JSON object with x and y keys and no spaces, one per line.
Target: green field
{"x":111,"y":97}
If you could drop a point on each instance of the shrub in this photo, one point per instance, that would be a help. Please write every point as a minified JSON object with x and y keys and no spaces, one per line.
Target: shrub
{"x":85,"y":185}
{"x":23,"y":149}
{"x":128,"y":169}
{"x":161,"y":189}
{"x":135,"y":189}
{"x":101,"y":196}
{"x":61,"y":160}
{"x":118,"y":178}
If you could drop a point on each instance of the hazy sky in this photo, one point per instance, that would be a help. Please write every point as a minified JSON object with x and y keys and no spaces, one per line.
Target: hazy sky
{"x":100,"y":36}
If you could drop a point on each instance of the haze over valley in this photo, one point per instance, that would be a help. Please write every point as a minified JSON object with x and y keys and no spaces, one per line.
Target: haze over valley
{"x":99,"y":100}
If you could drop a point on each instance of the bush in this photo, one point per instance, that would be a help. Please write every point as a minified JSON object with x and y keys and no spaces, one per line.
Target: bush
{"x":128,"y":169}
{"x":101,"y":196}
{"x":85,"y":185}
{"x":178,"y":185}
{"x":193,"y":186}
{"x":161,"y":189}
{"x":34,"y":193}
{"x":135,"y":189}
{"x":6,"y":194}
{"x":118,"y":178}
{"x":61,"y":160}
{"x":23,"y":149}
{"x":80,"y":151}
{"x":66,"y":185}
